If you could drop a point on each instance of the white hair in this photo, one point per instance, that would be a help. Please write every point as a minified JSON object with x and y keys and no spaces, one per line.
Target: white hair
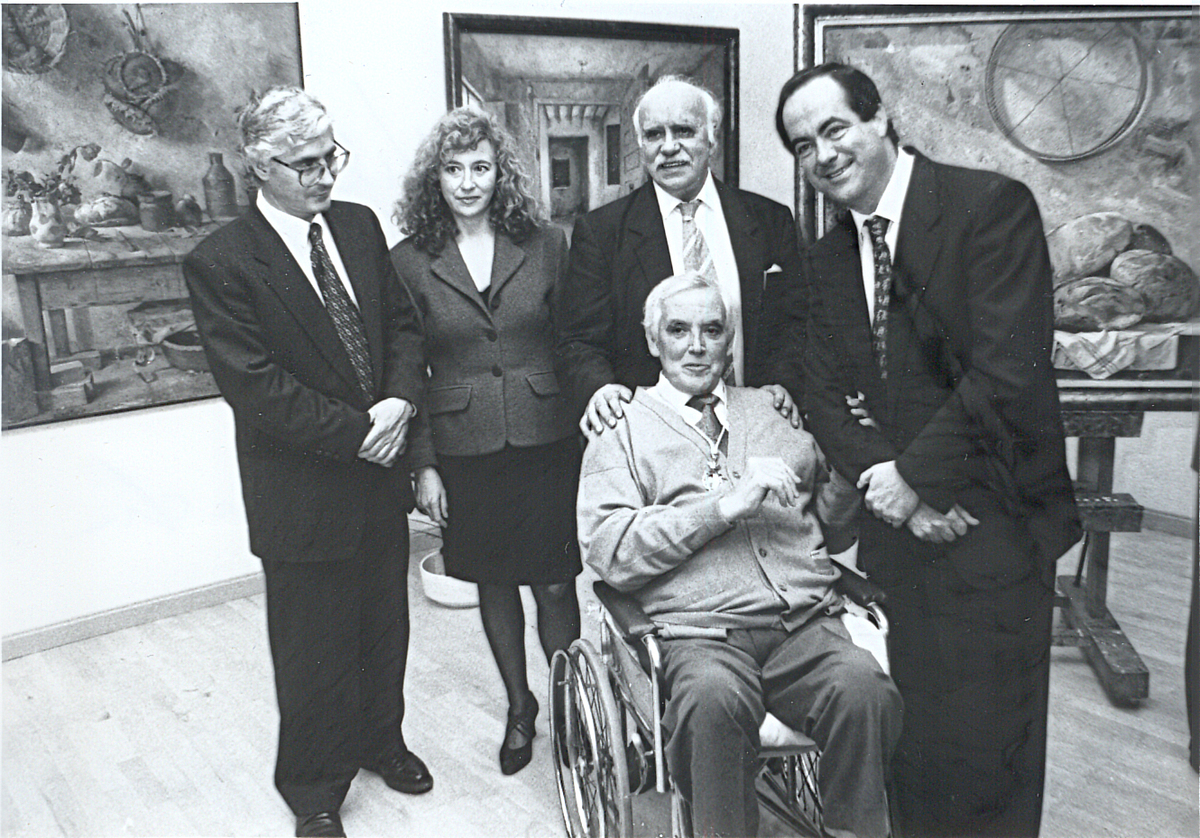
{"x":280,"y":119}
{"x":712,"y":109}
{"x":652,"y":311}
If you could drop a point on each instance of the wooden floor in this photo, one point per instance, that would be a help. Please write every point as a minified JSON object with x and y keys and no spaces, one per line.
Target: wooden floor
{"x":169,"y":728}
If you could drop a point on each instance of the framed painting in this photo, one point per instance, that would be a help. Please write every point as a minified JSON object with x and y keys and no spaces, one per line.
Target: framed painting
{"x":566,"y":89}
{"x":119,"y":150}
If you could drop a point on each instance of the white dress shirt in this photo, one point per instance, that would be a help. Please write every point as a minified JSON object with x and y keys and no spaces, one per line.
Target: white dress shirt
{"x":677,"y":399}
{"x":294,"y":232}
{"x":891,"y":204}
{"x":710,"y":221}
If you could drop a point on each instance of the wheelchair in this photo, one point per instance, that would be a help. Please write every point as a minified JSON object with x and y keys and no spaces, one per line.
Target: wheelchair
{"x":607,"y":737}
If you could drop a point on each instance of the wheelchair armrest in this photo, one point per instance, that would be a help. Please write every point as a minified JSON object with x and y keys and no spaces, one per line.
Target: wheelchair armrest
{"x":858,"y":588}
{"x":625,"y":610}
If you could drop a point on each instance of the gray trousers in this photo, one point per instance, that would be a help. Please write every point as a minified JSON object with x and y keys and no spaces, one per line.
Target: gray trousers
{"x":814,"y":680}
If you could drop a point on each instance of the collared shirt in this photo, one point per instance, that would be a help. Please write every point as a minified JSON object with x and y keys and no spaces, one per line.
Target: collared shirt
{"x":678,"y":399}
{"x":891,"y":204}
{"x":710,"y":220}
{"x":294,"y":232}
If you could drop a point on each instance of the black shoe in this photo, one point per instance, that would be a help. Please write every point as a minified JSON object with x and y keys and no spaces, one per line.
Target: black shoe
{"x":403,"y":771}
{"x":320,"y":823}
{"x":512,"y":759}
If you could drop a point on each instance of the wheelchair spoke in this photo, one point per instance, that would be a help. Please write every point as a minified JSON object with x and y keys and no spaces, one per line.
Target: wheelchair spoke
{"x":595,"y":746}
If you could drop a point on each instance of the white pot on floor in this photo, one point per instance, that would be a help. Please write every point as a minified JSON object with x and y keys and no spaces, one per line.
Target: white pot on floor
{"x":443,"y":589}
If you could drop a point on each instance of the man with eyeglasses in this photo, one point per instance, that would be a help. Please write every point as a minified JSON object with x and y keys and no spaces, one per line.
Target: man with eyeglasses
{"x":315,"y":345}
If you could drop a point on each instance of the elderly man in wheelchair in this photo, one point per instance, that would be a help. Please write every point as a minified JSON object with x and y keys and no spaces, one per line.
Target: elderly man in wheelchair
{"x":705,"y":506}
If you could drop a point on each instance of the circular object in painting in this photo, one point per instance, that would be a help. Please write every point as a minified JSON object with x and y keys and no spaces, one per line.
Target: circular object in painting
{"x":1065,"y":90}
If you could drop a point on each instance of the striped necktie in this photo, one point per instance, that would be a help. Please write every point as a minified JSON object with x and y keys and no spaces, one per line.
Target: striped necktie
{"x":709,"y":424}
{"x":696,"y":255}
{"x":877,"y":229}
{"x":345,"y":316}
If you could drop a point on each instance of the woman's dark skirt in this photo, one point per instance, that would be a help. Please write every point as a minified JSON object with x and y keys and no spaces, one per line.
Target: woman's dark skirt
{"x":512,"y":515}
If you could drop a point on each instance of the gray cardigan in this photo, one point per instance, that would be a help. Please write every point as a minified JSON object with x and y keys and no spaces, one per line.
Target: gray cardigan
{"x":491,"y":366}
{"x":648,"y":525}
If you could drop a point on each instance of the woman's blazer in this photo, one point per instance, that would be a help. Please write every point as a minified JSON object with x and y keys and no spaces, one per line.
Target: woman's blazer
{"x":491,"y":366}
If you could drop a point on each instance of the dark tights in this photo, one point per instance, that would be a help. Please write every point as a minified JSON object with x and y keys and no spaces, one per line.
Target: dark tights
{"x":504,"y":624}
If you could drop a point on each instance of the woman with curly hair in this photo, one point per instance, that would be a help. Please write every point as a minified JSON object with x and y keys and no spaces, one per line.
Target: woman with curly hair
{"x":494,"y":454}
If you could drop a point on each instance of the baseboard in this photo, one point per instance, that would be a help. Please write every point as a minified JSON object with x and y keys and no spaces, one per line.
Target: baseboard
{"x":1169,"y":523}
{"x":80,"y":628}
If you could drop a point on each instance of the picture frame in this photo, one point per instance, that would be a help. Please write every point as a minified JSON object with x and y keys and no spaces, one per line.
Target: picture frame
{"x":115,"y":123}
{"x":565,"y":90}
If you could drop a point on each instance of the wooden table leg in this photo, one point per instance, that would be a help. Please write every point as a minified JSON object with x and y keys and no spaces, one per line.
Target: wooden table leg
{"x":58,"y":332}
{"x":31,"y":315}
{"x":1117,"y":665}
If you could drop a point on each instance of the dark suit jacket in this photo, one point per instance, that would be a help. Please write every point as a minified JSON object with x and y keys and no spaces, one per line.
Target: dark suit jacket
{"x":969,"y":339}
{"x":619,"y":252}
{"x":300,"y":416}
{"x":492,"y":379}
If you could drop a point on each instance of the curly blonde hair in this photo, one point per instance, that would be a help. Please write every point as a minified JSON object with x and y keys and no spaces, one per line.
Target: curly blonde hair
{"x":423,"y":213}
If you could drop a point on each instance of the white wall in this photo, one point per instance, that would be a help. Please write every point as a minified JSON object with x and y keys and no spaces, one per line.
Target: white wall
{"x":119,"y":509}
{"x":104,"y":512}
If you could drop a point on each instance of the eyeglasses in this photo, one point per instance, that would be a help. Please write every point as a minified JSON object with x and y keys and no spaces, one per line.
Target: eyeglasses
{"x":310,"y":173}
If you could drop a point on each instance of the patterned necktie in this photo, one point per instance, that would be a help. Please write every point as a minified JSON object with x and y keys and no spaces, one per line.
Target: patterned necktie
{"x":696,"y":255}
{"x":342,"y":311}
{"x":877,"y":228}
{"x":709,"y":424}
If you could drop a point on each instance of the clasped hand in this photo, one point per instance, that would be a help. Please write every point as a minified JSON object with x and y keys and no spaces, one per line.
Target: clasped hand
{"x":891,"y":499}
{"x":388,"y":436}
{"x":763,"y":476}
{"x":927,"y":524}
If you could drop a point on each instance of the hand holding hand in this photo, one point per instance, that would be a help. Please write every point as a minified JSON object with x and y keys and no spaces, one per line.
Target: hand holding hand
{"x":888,"y":496}
{"x":783,"y":403}
{"x":389,"y":431}
{"x":858,"y":409}
{"x":763,"y":475}
{"x":927,"y":524}
{"x":604,"y":409}
{"x":431,"y":495}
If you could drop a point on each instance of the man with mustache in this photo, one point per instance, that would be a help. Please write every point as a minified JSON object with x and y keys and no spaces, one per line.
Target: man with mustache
{"x":683,"y":218}
{"x":931,"y":311}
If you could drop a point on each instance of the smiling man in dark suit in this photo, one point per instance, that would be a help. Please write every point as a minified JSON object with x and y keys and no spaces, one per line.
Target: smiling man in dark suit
{"x":316,"y":347}
{"x":928,"y":381}
{"x":683,"y":218}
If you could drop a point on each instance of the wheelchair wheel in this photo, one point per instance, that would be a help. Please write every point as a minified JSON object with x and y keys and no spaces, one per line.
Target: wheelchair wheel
{"x":588,"y":746}
{"x":787,"y":787}
{"x":562,"y":703}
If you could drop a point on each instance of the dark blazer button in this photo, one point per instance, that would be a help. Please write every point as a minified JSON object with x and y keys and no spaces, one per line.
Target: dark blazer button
{"x":491,"y":335}
{"x":495,"y":303}
{"x":496,"y":371}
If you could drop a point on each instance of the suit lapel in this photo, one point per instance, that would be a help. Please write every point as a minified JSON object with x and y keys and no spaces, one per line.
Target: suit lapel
{"x":644,"y":226}
{"x":837,"y":267}
{"x":451,"y":268}
{"x":507,"y":259}
{"x":918,"y":251}
{"x":920,"y":244}
{"x":285,"y":278}
{"x":748,"y":247}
